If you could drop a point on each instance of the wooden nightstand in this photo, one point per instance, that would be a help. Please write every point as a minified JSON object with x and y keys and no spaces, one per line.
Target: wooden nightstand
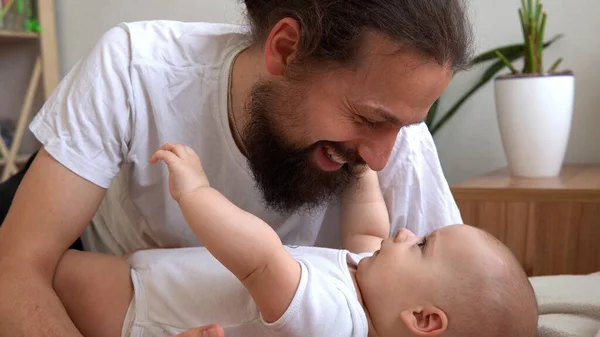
{"x":552,"y":225}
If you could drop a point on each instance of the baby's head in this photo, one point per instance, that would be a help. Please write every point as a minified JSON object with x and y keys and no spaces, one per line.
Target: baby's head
{"x":457,"y":281}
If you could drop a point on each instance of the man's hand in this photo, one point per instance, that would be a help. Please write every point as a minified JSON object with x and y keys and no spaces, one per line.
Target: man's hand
{"x":204,"y":331}
{"x":185,"y":170}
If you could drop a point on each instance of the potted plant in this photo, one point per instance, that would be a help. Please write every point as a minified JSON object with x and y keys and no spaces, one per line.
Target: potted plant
{"x":534,"y":106}
{"x":436,"y":120}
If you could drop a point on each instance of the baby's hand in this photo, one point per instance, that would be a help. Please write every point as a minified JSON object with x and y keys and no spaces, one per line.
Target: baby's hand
{"x":185,"y":170}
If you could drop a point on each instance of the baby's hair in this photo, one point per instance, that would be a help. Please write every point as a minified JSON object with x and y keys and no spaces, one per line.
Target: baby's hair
{"x":495,"y":302}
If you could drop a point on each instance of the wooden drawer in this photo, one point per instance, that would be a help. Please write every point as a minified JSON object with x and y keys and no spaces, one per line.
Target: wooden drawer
{"x":552,"y":225}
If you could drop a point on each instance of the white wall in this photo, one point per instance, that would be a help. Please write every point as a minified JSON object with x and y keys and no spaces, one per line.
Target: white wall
{"x":470,"y":143}
{"x":81,"y":23}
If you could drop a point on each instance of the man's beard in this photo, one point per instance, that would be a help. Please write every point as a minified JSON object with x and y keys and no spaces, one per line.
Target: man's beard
{"x":284,"y":172}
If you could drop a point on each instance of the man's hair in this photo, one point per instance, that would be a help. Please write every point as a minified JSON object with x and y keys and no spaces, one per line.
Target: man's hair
{"x":334,"y":30}
{"x":493,"y":302}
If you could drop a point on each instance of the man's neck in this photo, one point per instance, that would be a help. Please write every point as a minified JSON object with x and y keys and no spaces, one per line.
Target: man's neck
{"x":246,"y":71}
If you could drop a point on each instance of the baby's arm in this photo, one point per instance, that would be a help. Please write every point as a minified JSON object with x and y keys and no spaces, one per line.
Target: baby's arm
{"x":243,"y":243}
{"x":365,"y":220}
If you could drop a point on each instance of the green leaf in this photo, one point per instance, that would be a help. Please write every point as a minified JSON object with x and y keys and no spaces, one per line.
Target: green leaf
{"x":552,"y":40}
{"x":539,"y":51}
{"x":506,"y":62}
{"x":490,"y":54}
{"x":432,"y":113}
{"x":485,"y":78}
{"x":531,"y":61}
{"x":508,"y":50}
{"x":523,"y":21}
{"x":510,"y":53}
{"x":555,"y":65}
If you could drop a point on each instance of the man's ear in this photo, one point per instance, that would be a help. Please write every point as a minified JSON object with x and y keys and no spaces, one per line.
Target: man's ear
{"x":425,"y":321}
{"x":282,"y":46}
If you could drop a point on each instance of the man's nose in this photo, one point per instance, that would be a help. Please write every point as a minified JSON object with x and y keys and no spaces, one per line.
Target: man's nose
{"x":405,"y":235}
{"x":376,"y":152}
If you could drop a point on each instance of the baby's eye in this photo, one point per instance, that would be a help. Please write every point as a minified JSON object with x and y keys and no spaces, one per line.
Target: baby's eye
{"x":423,"y":243}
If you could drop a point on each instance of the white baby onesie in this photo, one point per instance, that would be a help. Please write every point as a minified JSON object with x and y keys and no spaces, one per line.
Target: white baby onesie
{"x":179,"y":289}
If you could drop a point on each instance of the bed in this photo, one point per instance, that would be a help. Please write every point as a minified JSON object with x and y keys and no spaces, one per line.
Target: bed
{"x":569,"y":305}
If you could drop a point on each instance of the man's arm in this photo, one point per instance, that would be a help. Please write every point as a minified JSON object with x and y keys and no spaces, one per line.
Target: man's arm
{"x":86,"y":128}
{"x":49,"y":212}
{"x":242,"y":242}
{"x":364,"y":216}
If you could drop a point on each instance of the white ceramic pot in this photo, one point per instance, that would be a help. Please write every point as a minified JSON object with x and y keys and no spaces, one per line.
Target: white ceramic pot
{"x":534,"y":115}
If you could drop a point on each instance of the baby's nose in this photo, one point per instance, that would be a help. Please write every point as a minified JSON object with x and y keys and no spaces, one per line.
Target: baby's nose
{"x":404,"y":234}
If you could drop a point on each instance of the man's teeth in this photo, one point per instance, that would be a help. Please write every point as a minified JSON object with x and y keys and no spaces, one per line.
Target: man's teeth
{"x":333,"y":156}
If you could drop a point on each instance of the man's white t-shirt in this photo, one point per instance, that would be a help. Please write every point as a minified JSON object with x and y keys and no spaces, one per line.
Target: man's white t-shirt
{"x":180,"y":289}
{"x":148,"y":83}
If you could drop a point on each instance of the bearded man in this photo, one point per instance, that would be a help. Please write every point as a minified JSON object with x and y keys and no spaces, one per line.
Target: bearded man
{"x":283,"y":113}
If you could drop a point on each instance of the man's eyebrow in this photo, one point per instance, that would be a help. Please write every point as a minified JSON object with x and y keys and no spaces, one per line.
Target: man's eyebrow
{"x":387,"y":115}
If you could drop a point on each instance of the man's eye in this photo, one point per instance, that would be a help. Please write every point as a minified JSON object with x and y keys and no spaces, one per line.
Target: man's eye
{"x":368,"y":122}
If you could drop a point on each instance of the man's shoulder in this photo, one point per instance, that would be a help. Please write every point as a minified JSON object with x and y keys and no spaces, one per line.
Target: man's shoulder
{"x":177,"y":43}
{"x":165,"y":29}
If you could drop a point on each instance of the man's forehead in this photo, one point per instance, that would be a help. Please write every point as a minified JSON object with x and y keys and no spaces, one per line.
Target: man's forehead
{"x":377,"y":51}
{"x":400,"y":82}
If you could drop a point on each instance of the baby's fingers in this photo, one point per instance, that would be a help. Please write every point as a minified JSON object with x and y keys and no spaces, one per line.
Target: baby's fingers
{"x":167,"y":156}
{"x":178,"y":149}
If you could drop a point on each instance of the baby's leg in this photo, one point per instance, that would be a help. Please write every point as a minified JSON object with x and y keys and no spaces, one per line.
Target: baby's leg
{"x":96,"y":290}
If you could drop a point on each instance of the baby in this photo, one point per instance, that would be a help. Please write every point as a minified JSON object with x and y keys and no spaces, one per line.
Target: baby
{"x":457,"y":281}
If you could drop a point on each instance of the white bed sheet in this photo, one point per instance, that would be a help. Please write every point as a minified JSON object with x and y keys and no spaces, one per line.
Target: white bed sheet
{"x":569,"y":305}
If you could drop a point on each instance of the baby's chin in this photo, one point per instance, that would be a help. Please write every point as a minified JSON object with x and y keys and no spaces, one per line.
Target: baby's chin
{"x":365,"y":261}
{"x":362,"y":268}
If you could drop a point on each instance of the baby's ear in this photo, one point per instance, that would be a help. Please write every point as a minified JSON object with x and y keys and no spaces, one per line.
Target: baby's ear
{"x":425,"y":321}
